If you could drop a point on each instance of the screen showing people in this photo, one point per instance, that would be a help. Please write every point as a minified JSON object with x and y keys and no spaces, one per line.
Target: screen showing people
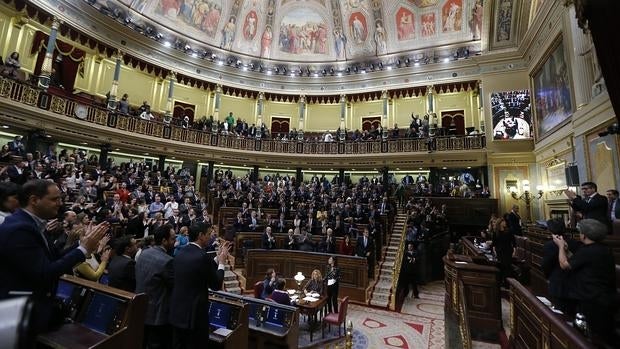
{"x":512,"y":115}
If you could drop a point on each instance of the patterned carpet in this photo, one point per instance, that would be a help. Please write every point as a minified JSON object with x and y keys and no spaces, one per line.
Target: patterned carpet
{"x":420,"y":325}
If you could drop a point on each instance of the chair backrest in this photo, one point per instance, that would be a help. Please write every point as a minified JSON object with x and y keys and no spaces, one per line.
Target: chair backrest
{"x":258,"y":289}
{"x":342,"y":311}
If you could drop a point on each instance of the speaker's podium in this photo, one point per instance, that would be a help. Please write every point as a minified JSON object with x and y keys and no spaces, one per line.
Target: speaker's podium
{"x":228,"y":323}
{"x":98,"y":316}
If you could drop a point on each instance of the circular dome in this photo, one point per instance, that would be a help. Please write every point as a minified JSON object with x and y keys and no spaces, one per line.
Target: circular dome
{"x":308,"y":31}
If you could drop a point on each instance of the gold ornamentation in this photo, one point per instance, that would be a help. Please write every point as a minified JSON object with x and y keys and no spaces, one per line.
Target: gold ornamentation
{"x":58,"y":105}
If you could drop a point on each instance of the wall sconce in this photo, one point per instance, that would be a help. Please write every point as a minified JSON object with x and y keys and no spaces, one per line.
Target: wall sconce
{"x":526,"y":196}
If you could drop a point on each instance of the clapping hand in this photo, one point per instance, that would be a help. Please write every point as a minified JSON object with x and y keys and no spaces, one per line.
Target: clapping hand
{"x":559,"y":241}
{"x":222,"y":256}
{"x":570,"y":194}
{"x":93,"y":235}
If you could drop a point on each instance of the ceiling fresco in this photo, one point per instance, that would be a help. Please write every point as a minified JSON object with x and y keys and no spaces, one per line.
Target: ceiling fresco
{"x":314,"y":30}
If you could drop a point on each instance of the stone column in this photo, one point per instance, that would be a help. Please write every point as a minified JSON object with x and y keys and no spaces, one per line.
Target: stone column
{"x":169,"y":104}
{"x":46,"y":67}
{"x":218,"y":100}
{"x":384,"y":121}
{"x":114,"y":89}
{"x":343,"y":117}
{"x":302,"y":114}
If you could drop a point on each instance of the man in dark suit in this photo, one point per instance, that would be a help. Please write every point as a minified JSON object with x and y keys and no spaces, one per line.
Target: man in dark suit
{"x":366,"y":248}
{"x":408,"y":267}
{"x":614,"y":211}
{"x":513,"y":220}
{"x":122,"y":268}
{"x":194,"y":273}
{"x":28,"y":261}
{"x":154,"y":276}
{"x":592,"y":205}
{"x":269,"y":241}
{"x":558,"y":278}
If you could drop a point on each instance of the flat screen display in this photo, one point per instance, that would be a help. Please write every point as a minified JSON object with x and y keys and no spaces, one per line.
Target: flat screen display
{"x":219,"y":314}
{"x":276,"y":316}
{"x":65,"y":291}
{"x":101,"y":312}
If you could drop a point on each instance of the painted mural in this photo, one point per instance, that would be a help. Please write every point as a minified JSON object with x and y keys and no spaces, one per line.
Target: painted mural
{"x":405,"y":24}
{"x":318,"y":30}
{"x":303,"y":31}
{"x":452,"y":16}
{"x":504,"y":20}
{"x":552,"y":92}
{"x":428,"y":24}
{"x":358,"y":27}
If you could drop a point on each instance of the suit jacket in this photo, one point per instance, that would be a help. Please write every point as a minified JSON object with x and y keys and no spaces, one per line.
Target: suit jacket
{"x":269,"y":245}
{"x":595,"y":208}
{"x":122,"y":273}
{"x":26,"y":261}
{"x":194,"y":274}
{"x":514,"y":223}
{"x":361,"y":250}
{"x":154,"y":276}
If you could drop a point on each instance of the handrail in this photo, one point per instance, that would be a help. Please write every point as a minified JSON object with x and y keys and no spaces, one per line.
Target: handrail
{"x":463,"y":318}
{"x":397,"y":266}
{"x":87,"y":111}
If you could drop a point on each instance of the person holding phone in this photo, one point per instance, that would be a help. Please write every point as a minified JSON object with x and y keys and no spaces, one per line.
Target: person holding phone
{"x":333,"y":278}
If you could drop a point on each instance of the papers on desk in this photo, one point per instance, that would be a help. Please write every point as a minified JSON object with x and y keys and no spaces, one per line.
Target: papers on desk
{"x":294,"y":297}
{"x":314,"y":295}
{"x":224,"y":332}
{"x":331,"y":282}
{"x":544,"y":300}
{"x":460,"y":262}
{"x":310,"y":299}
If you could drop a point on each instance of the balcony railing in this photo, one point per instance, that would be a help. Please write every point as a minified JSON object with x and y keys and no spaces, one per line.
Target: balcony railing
{"x":86,"y":110}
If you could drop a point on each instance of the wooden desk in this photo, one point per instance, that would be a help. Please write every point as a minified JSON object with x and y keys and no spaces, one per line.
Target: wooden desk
{"x":534,"y":325}
{"x":95,"y":323}
{"x":481,"y":296}
{"x":312,"y":309}
{"x":263,"y":334}
{"x":353,"y":269}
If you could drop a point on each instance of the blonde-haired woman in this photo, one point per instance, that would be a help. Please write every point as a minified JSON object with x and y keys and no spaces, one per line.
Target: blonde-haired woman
{"x":315,"y":284}
{"x":92,"y":269}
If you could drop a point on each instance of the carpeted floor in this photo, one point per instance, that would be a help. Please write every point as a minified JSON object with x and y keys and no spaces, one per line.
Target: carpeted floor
{"x":419,"y":325}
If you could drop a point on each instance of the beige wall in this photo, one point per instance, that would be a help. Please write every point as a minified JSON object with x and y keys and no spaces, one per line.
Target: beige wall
{"x":402,"y":108}
{"x":244,"y":108}
{"x":323,"y":117}
{"x":361,"y":110}
{"x":281,"y":109}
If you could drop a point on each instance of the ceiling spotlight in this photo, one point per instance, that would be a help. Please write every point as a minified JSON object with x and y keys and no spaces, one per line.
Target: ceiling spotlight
{"x":277,"y":70}
{"x":284,"y":70}
{"x":187,"y":47}
{"x":261,"y":68}
{"x":229,"y":61}
{"x":307,"y":71}
{"x":381,"y":65}
{"x":159,"y":36}
{"x":269,"y":72}
{"x":194,"y":54}
{"x":220,"y":62}
{"x":316,"y":75}
{"x":348,"y":70}
{"x":407,"y":61}
{"x":339,"y":74}
{"x":397,"y":62}
{"x":238,"y":63}
{"x":331,"y":71}
{"x":245,"y":68}
{"x":292,"y":73}
{"x":356,"y":69}
{"x":363,"y":71}
{"x":167,"y":44}
{"x":324,"y":72}
{"x":372,"y":66}
{"x":446,"y":60}
{"x":213,"y":57}
{"x":128,"y":20}
{"x":252,"y":66}
{"x":416,"y":64}
{"x":389,"y":67}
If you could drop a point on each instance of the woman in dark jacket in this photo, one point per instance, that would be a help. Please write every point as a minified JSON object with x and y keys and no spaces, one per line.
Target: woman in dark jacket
{"x":504,"y":246}
{"x":333,"y":279}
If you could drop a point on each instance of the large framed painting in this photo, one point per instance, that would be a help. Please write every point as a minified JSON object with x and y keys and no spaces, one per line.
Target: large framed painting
{"x":512,"y":114}
{"x":553,"y":96}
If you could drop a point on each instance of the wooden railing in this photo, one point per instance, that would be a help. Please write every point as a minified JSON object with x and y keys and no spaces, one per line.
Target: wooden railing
{"x":398,"y":262}
{"x":85,"y":109}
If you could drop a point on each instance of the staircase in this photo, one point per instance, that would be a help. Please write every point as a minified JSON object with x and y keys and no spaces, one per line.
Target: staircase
{"x":231,"y":281}
{"x":382,"y":291}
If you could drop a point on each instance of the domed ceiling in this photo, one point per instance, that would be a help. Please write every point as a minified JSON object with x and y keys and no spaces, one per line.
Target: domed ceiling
{"x":315,"y":30}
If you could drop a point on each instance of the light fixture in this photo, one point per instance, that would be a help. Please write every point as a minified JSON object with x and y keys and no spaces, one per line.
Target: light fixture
{"x":220,"y":62}
{"x":245,"y":68}
{"x":446,"y":60}
{"x":389,"y":67}
{"x":526,"y":196}
{"x":194,"y":54}
{"x":167,"y":43}
{"x":269,"y":72}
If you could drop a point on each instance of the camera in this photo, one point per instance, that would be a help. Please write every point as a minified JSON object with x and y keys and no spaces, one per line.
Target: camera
{"x":611,"y":130}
